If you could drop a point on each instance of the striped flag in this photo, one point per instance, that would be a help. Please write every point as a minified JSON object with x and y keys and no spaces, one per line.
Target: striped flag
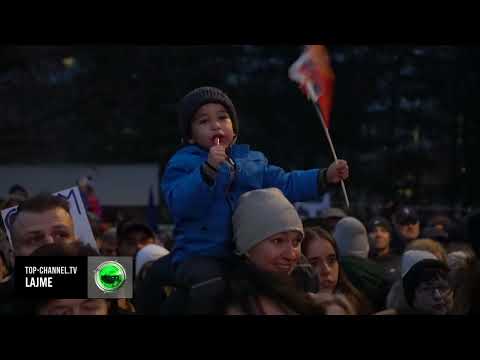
{"x":314,"y":67}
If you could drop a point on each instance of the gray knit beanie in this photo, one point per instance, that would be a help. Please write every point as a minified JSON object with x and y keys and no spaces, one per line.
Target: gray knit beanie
{"x":351,"y":237}
{"x":196,"y":99}
{"x":261,"y":214}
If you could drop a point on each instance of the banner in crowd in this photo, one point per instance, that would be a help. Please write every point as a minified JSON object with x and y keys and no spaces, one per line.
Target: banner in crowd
{"x":311,"y":210}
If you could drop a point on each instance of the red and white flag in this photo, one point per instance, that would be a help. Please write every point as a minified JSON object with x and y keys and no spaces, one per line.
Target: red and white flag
{"x":314,"y":73}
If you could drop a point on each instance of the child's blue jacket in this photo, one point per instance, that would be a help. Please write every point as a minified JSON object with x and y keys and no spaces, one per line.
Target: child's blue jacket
{"x":202,"y":213}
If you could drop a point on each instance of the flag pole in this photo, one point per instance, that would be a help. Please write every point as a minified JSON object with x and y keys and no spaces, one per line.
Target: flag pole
{"x":312,"y":97}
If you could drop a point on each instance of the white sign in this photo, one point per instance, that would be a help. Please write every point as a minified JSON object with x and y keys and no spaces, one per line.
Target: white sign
{"x":310,"y":210}
{"x":83,"y":230}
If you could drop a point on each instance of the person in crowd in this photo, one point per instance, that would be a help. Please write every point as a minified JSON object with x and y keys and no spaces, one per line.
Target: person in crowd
{"x":321,"y":250}
{"x":407,"y":227}
{"x":164,"y":237}
{"x":430,"y":245}
{"x":74,"y":307}
{"x":267,"y":232}
{"x":253,"y":291}
{"x":145,"y":258}
{"x":330,"y":217}
{"x":204,"y":179}
{"x":462,"y":268}
{"x":448,"y":233}
{"x":40,"y":220}
{"x":96,"y":226}
{"x":268,"y":212}
{"x":89,"y":197}
{"x":365,"y":275}
{"x":158,"y":293}
{"x":16,"y":195}
{"x":269,"y":274}
{"x":426,"y":285}
{"x":380,"y":235}
{"x":439,"y":221}
{"x":108,"y":243}
{"x":19,"y":192}
{"x":472,"y":281}
{"x":396,"y":297}
{"x":133,"y":236}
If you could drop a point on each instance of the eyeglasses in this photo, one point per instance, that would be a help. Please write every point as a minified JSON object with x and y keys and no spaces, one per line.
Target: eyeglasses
{"x":444,"y":290}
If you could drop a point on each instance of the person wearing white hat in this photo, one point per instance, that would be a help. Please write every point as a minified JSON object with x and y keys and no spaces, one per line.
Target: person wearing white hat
{"x":271,"y":276}
{"x":147,"y":255}
{"x":364,"y":274}
{"x":425,"y":283}
{"x":268,"y":231}
{"x":149,"y":291}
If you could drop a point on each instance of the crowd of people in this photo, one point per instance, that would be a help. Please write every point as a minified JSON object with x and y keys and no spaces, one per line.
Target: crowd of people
{"x":239,"y":246}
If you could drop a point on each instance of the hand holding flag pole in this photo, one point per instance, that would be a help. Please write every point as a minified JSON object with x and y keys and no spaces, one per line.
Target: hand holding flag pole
{"x":327,"y":134}
{"x":314,"y":73}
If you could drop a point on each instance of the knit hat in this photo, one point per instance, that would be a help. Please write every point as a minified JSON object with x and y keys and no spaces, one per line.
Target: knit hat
{"x":381,"y":222}
{"x":412,"y":257}
{"x":351,"y":237}
{"x":261,"y":214}
{"x":149,"y":253}
{"x":415,"y":264}
{"x":196,"y":99}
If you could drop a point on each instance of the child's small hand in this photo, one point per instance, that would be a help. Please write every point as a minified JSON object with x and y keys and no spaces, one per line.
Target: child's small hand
{"x":216,"y":156}
{"x":337,"y":171}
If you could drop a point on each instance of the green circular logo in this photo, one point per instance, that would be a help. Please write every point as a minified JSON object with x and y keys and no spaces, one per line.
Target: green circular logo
{"x":110,"y":276}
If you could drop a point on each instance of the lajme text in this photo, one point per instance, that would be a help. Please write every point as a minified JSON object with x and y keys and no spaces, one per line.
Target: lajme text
{"x":39,"y":282}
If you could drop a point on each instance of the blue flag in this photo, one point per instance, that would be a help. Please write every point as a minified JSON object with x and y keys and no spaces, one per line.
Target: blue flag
{"x":152,"y":213}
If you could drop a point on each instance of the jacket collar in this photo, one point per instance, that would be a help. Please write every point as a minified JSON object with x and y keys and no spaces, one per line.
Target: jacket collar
{"x":236,"y":151}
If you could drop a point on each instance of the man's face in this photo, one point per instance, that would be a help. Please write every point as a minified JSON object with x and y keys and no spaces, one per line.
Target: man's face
{"x":409,"y":231}
{"x":109,"y":248}
{"x":32,"y":230}
{"x":75,"y":307}
{"x":135,"y":240}
{"x":381,"y":238}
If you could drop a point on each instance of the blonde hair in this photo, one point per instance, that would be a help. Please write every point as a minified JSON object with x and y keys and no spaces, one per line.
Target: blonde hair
{"x":429,"y":245}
